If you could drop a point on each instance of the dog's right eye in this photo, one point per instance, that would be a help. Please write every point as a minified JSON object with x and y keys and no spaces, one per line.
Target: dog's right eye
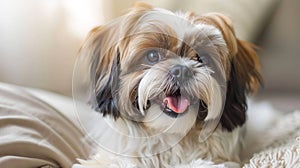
{"x":153,"y":56}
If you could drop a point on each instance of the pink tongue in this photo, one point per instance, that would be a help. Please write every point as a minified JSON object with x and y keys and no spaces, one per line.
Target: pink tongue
{"x":177,"y":104}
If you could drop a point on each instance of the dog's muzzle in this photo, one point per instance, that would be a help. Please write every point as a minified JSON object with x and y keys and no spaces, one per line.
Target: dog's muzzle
{"x":176,"y":104}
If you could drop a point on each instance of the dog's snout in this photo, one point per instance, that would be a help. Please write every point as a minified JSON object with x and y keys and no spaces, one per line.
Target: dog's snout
{"x":181,"y":72}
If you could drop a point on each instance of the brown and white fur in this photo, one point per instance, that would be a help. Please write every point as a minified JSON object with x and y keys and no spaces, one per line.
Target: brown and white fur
{"x":132,"y":64}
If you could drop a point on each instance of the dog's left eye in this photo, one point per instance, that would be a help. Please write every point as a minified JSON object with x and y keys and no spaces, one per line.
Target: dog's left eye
{"x":203,"y":58}
{"x":153,"y":56}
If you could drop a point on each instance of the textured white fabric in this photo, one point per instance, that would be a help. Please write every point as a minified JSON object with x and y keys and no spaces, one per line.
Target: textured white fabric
{"x":281,"y":145}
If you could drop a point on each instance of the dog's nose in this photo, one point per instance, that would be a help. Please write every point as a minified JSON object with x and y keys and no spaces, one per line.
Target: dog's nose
{"x":181,"y":72}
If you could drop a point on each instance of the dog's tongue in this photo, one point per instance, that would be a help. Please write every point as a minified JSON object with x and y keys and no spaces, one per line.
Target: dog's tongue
{"x":178,"y":104}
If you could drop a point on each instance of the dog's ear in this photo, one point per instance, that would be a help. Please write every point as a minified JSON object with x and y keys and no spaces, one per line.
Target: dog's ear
{"x":243,"y":75}
{"x":106,"y":87}
{"x":244,"y":79}
{"x":101,"y":49}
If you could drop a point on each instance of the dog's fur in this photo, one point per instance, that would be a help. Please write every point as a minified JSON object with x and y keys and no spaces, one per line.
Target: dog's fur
{"x":128,"y":90}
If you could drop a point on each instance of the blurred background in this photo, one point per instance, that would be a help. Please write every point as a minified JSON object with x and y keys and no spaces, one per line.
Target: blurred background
{"x":39,"y":39}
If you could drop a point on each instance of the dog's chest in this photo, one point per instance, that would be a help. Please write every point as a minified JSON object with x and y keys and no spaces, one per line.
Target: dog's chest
{"x":219,"y":147}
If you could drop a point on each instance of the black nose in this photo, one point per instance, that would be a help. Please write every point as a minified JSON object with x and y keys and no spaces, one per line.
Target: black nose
{"x":181,"y":72}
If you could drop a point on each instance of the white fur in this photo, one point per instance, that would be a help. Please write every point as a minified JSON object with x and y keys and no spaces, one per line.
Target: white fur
{"x":115,"y":149}
{"x":162,"y":141}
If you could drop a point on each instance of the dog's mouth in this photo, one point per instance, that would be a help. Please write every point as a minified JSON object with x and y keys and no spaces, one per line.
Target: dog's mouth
{"x":175,"y":104}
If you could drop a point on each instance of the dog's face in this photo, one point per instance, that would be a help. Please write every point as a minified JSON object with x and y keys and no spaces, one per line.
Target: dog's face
{"x":169,"y":71}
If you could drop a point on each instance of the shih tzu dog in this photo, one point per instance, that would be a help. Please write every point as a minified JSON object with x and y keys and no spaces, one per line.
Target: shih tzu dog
{"x":171,"y":89}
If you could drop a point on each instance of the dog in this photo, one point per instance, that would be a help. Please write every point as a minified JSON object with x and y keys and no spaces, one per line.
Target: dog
{"x":170,"y":88}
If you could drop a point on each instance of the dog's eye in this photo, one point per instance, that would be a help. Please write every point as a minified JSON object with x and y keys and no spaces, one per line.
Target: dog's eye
{"x":203,"y":58}
{"x":153,"y":56}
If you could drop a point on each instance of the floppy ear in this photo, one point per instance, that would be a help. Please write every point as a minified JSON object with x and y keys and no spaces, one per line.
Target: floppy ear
{"x":244,"y":76}
{"x":106,"y":89}
{"x":101,"y":49}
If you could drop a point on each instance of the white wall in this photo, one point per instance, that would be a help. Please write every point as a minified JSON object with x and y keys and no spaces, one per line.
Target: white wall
{"x":39,"y":40}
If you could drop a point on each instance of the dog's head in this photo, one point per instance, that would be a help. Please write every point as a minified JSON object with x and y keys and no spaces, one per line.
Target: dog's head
{"x":157,"y":68}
